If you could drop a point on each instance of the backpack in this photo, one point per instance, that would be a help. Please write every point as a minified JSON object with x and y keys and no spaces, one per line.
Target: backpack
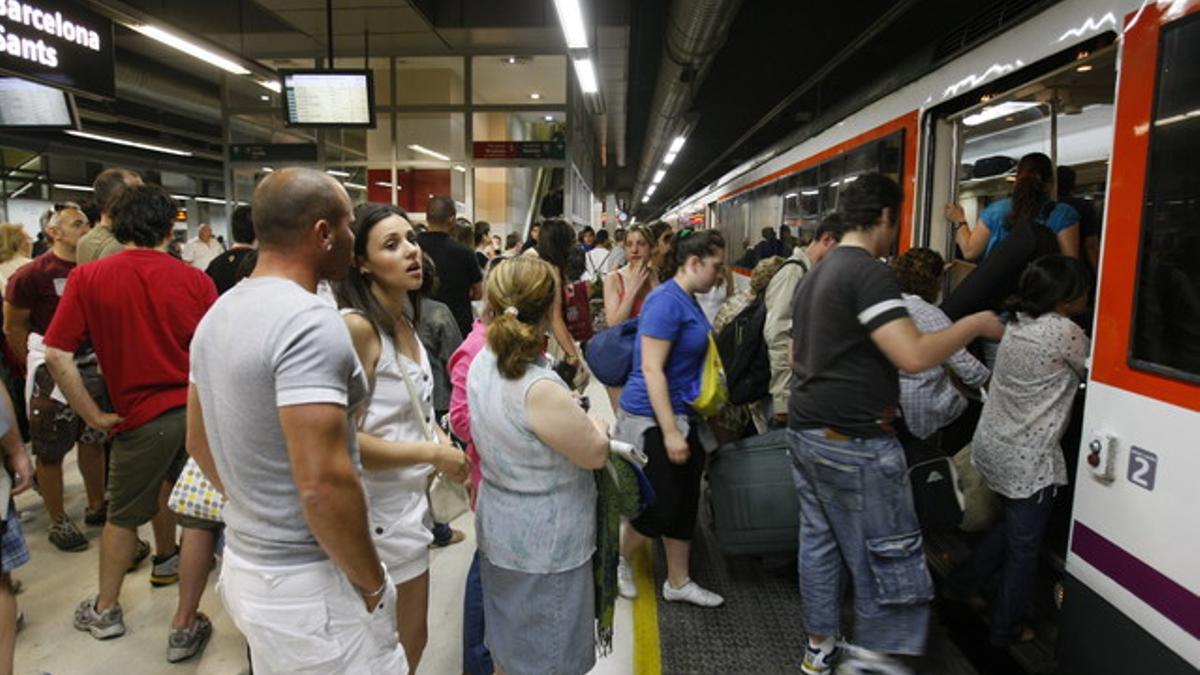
{"x":609,"y":354}
{"x":577,"y":311}
{"x":744,"y":351}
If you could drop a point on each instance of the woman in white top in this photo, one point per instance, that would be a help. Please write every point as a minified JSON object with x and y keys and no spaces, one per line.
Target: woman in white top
{"x":400,"y":442}
{"x":536,"y":511}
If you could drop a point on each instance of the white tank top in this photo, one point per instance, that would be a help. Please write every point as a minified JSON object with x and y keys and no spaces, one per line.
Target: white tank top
{"x":390,"y":416}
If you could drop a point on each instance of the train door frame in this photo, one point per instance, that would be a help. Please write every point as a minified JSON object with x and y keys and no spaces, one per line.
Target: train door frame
{"x":1131,"y":578}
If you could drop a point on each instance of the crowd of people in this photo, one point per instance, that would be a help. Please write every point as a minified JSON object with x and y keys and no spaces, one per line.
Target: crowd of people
{"x":338,"y":364}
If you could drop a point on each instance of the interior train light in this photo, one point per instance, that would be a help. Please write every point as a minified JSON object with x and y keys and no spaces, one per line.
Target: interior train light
{"x":1087,"y":67}
{"x":210,"y":200}
{"x":132,"y":144}
{"x":354,"y":186}
{"x":570,"y":16}
{"x":670,"y":158}
{"x":73,"y":188}
{"x":192,"y":49}
{"x":587,"y":76}
{"x":677,"y":144}
{"x":658,"y":176}
{"x":997,"y":111}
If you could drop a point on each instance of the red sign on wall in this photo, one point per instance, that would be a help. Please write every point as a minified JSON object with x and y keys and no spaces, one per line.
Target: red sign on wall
{"x":520,"y":150}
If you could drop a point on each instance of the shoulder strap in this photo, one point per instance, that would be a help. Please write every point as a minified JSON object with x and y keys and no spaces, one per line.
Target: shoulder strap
{"x":414,"y":400}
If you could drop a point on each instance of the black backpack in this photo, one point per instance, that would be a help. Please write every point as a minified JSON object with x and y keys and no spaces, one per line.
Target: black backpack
{"x":744,"y":352}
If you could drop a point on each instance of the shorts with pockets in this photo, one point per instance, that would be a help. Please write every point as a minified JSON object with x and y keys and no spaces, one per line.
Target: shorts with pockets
{"x":142,"y":460}
{"x":54,"y":428}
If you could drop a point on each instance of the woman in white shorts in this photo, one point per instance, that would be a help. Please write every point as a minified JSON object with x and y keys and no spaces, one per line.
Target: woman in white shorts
{"x":399,"y":440}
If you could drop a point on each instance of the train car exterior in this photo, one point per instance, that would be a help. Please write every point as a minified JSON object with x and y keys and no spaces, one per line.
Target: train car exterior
{"x":1132,"y":584}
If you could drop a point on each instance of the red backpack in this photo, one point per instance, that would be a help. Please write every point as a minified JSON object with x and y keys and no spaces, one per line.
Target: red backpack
{"x":577,"y":310}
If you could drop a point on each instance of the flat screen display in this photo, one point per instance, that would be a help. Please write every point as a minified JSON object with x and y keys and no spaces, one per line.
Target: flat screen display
{"x":328,"y":98}
{"x":29,"y":105}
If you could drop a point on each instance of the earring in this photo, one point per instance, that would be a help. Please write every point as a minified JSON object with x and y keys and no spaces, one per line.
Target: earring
{"x":329,"y":246}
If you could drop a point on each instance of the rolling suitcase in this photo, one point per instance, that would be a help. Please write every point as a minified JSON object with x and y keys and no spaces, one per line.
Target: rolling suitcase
{"x":753,"y":498}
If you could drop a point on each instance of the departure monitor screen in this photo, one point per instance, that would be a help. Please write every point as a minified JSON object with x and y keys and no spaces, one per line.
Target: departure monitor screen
{"x":29,"y":105}
{"x":328,"y":98}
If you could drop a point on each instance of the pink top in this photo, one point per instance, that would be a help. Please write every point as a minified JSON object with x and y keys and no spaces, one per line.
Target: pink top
{"x":460,"y":413}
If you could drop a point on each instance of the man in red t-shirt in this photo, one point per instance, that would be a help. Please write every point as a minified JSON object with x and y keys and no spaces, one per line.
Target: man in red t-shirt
{"x":31,"y":299}
{"x":139,"y":308}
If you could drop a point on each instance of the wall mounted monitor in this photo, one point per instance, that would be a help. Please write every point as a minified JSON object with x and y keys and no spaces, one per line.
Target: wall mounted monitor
{"x":328,"y":98}
{"x":29,"y":105}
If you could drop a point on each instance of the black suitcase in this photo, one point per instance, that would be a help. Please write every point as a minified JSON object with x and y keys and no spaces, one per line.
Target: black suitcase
{"x":753,"y":497}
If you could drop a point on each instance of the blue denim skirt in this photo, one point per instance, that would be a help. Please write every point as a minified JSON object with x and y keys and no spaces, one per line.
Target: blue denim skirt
{"x":540,"y":624}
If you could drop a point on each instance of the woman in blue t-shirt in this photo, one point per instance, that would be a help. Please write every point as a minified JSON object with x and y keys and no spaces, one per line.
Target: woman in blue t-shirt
{"x":655,"y":411}
{"x":1032,"y":194}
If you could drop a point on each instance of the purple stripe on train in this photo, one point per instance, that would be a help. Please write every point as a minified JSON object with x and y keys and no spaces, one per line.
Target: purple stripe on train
{"x":1170,"y":599}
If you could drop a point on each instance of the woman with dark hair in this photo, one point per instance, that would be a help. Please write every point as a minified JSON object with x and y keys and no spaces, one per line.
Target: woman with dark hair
{"x":556,"y":242}
{"x":661,"y":245}
{"x":536,"y":510}
{"x":400,"y":443}
{"x":1017,"y":442}
{"x":655,"y":412}
{"x":1032,"y":201}
{"x":484,"y":248}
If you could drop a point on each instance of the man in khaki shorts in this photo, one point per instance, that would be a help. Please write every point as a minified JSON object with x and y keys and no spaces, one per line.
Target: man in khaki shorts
{"x":139,"y":309}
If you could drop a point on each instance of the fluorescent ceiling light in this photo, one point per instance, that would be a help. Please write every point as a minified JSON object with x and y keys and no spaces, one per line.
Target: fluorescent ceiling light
{"x":210,"y":200}
{"x":997,"y":111}
{"x":383,"y":184}
{"x":535,"y":96}
{"x":791,"y":195}
{"x":549,"y":118}
{"x":426,"y":151}
{"x":73,"y":188}
{"x":810,"y":193}
{"x":570,"y":15}
{"x":587,"y":76}
{"x":645,"y":199}
{"x":677,"y":144}
{"x":650,"y":190}
{"x":659,"y":175}
{"x":273,"y":85}
{"x":851,"y":179}
{"x":339,"y":174}
{"x":192,"y":49}
{"x":1084,"y":68}
{"x":20,"y":191}
{"x":460,"y":168}
{"x":182,"y":198}
{"x":670,"y":158}
{"x":267,"y":169}
{"x":265,"y":97}
{"x":132,"y":144}
{"x":354,"y":186}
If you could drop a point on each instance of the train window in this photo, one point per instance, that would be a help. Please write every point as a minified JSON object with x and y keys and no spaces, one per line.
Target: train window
{"x":1166,"y":326}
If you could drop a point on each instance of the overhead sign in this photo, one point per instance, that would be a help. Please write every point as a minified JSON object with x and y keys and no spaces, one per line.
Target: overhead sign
{"x":272,"y":152}
{"x":520,"y":150}
{"x":58,"y":43}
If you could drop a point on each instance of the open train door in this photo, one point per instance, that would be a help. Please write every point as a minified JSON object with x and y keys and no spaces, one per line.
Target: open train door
{"x":1131,"y":602}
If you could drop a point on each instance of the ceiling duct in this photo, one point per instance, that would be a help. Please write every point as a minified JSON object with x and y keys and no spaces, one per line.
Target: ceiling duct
{"x":696,"y":30}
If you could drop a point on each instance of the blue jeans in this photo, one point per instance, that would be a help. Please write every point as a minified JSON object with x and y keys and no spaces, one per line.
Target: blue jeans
{"x":477,"y":660}
{"x":1010,"y":548}
{"x":856,"y":510}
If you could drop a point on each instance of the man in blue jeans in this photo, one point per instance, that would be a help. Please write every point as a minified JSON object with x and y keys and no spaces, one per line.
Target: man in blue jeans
{"x":851,"y":332}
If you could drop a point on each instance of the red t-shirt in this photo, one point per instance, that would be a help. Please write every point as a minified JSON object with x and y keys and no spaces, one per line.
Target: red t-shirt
{"x":139,"y":308}
{"x":37,"y":287}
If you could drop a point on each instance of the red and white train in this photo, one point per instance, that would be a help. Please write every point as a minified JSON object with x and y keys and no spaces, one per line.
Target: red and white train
{"x":1111,"y":88}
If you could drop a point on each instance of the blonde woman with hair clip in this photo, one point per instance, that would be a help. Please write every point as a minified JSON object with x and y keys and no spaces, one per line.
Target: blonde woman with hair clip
{"x":15,"y":247}
{"x":536,"y":510}
{"x":400,"y":442}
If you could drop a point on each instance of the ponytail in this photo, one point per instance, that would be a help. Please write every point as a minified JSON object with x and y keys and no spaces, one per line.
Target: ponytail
{"x":520,"y":293}
{"x":1047,"y":282}
{"x":687,"y":243}
{"x":1035,"y":175}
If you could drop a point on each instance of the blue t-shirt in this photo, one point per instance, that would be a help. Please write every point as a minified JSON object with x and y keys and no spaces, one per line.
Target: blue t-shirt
{"x":1061,"y":217}
{"x":669,"y":313}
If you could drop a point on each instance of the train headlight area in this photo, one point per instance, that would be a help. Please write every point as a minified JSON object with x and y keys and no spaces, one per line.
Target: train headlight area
{"x":754,"y":119}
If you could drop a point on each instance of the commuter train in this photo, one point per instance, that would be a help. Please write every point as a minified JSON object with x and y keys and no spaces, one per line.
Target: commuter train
{"x":1111,"y":88}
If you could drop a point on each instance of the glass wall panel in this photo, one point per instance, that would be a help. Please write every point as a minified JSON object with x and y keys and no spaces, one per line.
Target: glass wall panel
{"x":430,"y":137}
{"x":518,"y":126}
{"x":429,"y":80}
{"x":504,"y":197}
{"x":497,"y":80}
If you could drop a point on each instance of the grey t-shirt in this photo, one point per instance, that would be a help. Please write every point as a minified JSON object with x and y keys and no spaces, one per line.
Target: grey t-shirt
{"x":266,"y":344}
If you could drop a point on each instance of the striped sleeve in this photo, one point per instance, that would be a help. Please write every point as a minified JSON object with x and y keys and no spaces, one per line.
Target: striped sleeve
{"x":877,"y":297}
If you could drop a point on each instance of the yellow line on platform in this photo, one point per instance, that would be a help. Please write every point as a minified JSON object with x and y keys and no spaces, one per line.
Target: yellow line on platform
{"x":647,"y":655}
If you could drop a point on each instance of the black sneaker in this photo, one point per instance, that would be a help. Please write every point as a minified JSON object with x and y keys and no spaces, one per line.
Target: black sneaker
{"x":96,"y":518}
{"x":66,"y":536}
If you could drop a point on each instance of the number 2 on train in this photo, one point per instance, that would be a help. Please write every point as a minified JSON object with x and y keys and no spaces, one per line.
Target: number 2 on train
{"x":1143,"y":467}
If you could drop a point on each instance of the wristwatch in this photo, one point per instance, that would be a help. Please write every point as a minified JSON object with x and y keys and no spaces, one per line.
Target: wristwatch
{"x":961,"y":223}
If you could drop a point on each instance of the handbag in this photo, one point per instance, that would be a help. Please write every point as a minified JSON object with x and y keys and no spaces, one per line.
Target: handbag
{"x":577,"y":311}
{"x":609,"y":354}
{"x":195,"y":496}
{"x":447,"y":499}
{"x":714,"y":393}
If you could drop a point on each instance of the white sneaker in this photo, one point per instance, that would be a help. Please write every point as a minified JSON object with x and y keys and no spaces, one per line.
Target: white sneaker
{"x":861,"y":661}
{"x":625,"y":583}
{"x":691,"y":592}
